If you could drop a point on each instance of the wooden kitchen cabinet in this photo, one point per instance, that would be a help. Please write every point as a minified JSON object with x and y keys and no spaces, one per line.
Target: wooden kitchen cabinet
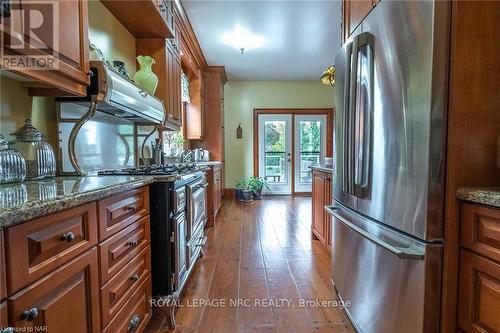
{"x":4,"y":317}
{"x":354,"y":11}
{"x":168,"y":69}
{"x":215,"y":192}
{"x":69,"y":73}
{"x":321,"y":196}
{"x":66,"y":300}
{"x":144,"y":19}
{"x":37,"y":247}
{"x":479,"y":277}
{"x":213,"y":141}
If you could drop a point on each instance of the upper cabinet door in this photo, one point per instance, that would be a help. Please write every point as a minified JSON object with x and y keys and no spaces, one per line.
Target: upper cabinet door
{"x":52,"y":36}
{"x":354,"y":12}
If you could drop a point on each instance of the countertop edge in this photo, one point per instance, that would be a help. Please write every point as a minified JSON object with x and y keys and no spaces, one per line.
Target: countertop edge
{"x":24,"y":213}
{"x":323,"y":168}
{"x":484,"y":196}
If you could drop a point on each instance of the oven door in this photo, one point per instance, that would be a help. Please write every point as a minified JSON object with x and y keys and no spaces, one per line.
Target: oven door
{"x":197,"y":207}
{"x":179,"y":228}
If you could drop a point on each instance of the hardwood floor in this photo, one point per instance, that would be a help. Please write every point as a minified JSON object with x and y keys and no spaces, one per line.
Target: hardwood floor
{"x":259,"y":252}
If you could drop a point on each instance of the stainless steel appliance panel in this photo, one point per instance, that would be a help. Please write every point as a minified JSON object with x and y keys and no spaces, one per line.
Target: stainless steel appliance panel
{"x":179,"y":200}
{"x":179,"y":228}
{"x":396,"y":125}
{"x":391,"y":281}
{"x":197,"y":206}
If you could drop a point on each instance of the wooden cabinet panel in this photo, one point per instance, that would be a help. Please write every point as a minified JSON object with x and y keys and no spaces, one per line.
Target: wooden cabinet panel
{"x":117,"y":291}
{"x":117,"y":212}
{"x":479,"y":294}
{"x":327,"y":217}
{"x":68,"y":46}
{"x":143,"y":19}
{"x":318,"y":194}
{"x":66,"y":300}
{"x":116,"y":251}
{"x":37,"y":247}
{"x":354,"y":12}
{"x":3,"y":279}
{"x":135,"y":313}
{"x":4,"y":317}
{"x":480,"y":229}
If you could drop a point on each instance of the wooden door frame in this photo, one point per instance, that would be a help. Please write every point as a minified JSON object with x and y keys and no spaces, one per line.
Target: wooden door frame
{"x":292,"y":111}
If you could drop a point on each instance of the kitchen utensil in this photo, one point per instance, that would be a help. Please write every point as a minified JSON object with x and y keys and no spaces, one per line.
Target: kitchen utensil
{"x":12,"y":163}
{"x":38,"y":154}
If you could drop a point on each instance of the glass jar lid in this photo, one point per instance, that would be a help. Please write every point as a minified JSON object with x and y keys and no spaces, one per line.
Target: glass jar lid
{"x":4,"y":144}
{"x":28,"y":132}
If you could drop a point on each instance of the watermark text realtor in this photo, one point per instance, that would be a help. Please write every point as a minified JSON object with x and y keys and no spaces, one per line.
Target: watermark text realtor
{"x":30,"y":35}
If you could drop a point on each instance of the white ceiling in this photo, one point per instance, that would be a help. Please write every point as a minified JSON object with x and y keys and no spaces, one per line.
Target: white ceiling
{"x":301,"y":38}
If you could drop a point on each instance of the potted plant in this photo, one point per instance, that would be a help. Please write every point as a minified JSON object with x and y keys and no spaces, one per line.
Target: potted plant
{"x":241,"y":184}
{"x":256,"y":184}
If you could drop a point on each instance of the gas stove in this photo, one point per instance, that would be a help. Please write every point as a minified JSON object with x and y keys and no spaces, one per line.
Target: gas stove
{"x":175,"y":171}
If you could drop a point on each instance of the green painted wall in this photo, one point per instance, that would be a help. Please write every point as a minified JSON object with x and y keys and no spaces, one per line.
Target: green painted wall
{"x":241,"y":97}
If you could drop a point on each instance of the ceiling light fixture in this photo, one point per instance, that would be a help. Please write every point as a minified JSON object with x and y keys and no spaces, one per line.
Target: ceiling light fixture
{"x":328,"y":76}
{"x":242,"y":39}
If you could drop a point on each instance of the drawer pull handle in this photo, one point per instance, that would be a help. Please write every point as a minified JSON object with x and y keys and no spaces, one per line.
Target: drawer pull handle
{"x":68,"y":237}
{"x":134,"y":323}
{"x":29,"y":315}
{"x":133,"y":243}
{"x":134,"y":277}
{"x":130,"y":207}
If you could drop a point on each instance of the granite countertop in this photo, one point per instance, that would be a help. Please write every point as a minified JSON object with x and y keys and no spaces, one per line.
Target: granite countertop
{"x":23,"y":201}
{"x":321,"y":167}
{"x":482,"y":195}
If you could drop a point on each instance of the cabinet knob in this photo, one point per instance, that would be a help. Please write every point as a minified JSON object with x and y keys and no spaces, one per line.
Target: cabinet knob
{"x":90,"y":73}
{"x":131,"y":208}
{"x":30,"y":315}
{"x":134,"y":277}
{"x":133,"y":243}
{"x":68,"y":237}
{"x":134,"y":323}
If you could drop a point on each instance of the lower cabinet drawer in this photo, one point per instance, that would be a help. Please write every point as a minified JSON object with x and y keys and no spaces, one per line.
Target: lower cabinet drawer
{"x":479,"y":294}
{"x":37,"y":247}
{"x":135,"y":314}
{"x":119,"y":288}
{"x":116,"y":251}
{"x":66,"y":300}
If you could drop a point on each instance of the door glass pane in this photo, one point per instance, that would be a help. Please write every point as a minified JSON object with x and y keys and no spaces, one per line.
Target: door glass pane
{"x":274,"y":153}
{"x":310,"y":148}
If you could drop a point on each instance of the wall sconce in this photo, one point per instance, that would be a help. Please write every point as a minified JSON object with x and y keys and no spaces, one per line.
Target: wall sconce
{"x":239,"y":132}
{"x":328,"y":76}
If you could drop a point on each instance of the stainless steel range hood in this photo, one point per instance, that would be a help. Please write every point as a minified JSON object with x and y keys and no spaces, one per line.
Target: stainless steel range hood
{"x":112,"y":101}
{"x":118,"y":96}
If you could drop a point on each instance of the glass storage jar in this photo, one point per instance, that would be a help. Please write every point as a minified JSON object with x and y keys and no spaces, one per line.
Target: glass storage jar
{"x":12,"y":163}
{"x":39,"y":155}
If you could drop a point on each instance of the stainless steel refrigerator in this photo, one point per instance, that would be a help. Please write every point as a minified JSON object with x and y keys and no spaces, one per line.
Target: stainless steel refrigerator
{"x":389,"y":159}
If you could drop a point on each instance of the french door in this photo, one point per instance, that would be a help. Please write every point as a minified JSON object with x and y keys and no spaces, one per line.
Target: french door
{"x":288,"y":145}
{"x":275,"y":152}
{"x":310,"y":148}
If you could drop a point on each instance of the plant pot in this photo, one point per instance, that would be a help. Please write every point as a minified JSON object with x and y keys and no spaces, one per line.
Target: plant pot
{"x":257,"y":194}
{"x":237,"y":194}
{"x":246,"y":196}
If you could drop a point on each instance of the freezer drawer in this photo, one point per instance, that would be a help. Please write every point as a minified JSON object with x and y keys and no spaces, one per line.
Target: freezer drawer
{"x":391,"y":281}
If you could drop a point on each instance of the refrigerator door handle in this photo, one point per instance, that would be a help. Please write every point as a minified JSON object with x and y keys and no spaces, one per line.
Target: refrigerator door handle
{"x":403,"y":253}
{"x":350,"y":70}
{"x":363,"y":113}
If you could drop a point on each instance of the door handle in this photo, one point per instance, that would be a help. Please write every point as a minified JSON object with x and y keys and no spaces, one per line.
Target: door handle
{"x":398,"y":251}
